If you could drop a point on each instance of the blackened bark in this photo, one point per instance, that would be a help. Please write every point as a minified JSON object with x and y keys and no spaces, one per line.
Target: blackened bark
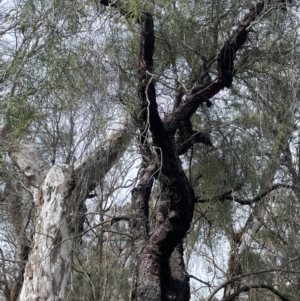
{"x":178,"y":286}
{"x":160,"y":267}
{"x":177,"y":198}
{"x":25,"y":250}
{"x":105,"y":2}
{"x":226,"y":59}
{"x":148,"y":280}
{"x":147,"y":93}
{"x":228,"y":52}
{"x":187,"y":137}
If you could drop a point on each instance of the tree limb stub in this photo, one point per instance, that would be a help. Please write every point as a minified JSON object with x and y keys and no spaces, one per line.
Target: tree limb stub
{"x":187,"y":137}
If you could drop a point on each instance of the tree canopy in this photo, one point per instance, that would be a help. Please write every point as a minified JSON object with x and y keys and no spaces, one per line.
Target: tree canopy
{"x":149,"y":150}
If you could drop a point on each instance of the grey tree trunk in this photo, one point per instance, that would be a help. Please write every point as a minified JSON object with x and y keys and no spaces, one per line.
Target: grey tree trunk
{"x":59,"y":194}
{"x":49,"y":263}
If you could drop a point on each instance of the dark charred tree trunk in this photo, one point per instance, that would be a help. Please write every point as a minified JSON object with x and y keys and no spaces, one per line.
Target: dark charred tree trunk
{"x":178,"y":286}
{"x":176,"y":204}
{"x":159,"y":254}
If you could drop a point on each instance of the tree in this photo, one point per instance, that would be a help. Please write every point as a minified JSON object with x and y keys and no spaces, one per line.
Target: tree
{"x":186,"y":59}
{"x":159,"y":256}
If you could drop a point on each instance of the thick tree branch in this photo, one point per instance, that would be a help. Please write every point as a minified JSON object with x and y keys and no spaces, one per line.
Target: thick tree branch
{"x":226,"y":58}
{"x":98,"y":163}
{"x":238,"y":277}
{"x":227,"y":195}
{"x":227,"y":54}
{"x":246,"y":288}
{"x":259,"y":197}
{"x":147,"y":92}
{"x":178,"y":286}
{"x":35,"y":168}
{"x":187,"y":137}
{"x":175,"y":208}
{"x":140,"y":206}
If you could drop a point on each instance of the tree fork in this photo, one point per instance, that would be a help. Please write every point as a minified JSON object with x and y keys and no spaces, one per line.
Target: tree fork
{"x":153,"y":252}
{"x":225,"y":61}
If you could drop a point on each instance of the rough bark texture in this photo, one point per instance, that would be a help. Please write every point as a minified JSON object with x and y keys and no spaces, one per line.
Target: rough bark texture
{"x":59,"y":192}
{"x":175,"y":207}
{"x":178,"y":287}
{"x":160,"y":268}
{"x":96,"y":165}
{"x":20,"y":212}
{"x":157,"y":277}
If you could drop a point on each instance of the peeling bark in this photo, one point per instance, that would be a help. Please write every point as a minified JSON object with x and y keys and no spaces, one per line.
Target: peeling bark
{"x":48,"y":267}
{"x":26,"y":157}
{"x":59,"y":194}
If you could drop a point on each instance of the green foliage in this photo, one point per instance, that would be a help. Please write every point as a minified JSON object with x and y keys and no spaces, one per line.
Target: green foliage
{"x":19,"y":115}
{"x":65,"y":66}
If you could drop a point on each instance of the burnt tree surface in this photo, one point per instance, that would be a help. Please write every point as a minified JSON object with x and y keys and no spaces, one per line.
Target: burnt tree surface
{"x":177,"y":197}
{"x":160,"y":269}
